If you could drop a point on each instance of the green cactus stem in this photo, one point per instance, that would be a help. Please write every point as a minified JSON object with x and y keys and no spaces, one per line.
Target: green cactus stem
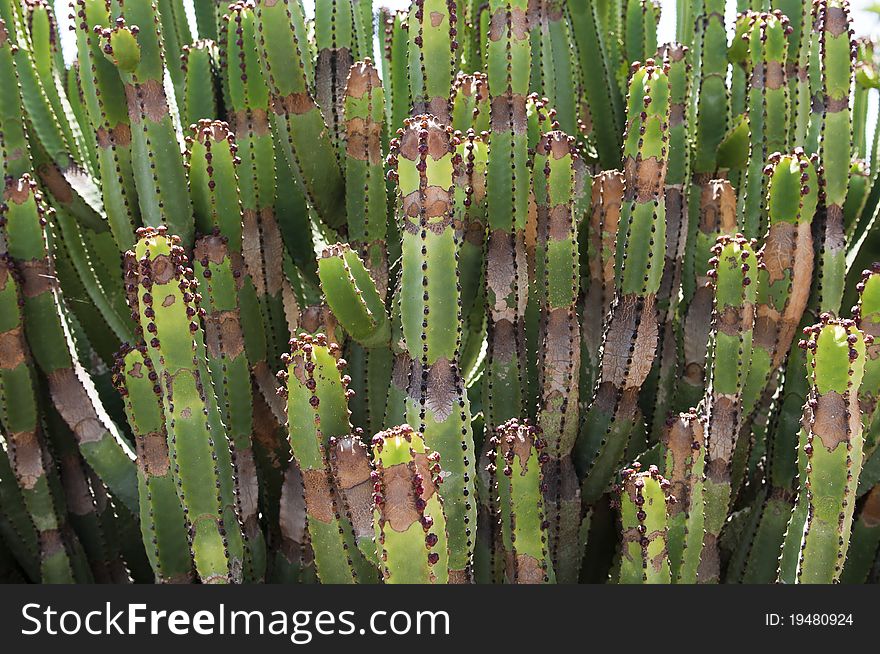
{"x":168,"y":306}
{"x":107,"y":111}
{"x":24,"y":221}
{"x":867,"y":316}
{"x":409,"y":521}
{"x":717,"y":203}
{"x":302,"y":132}
{"x":175,"y":39}
{"x":597,"y":59}
{"x":335,"y":41}
{"x":200,"y":69}
{"x":557,"y":264}
{"x":425,"y":165}
{"x":767,"y":104}
{"x":262,"y":246}
{"x":606,"y":201}
{"x":683,"y":455}
{"x":395,"y":69}
{"x":517,"y":464}
{"x":134,"y":46}
{"x":643,"y":501}
{"x":230,"y":372}
{"x":554,"y":74}
{"x":25,"y":442}
{"x":630,"y":338}
{"x":831,"y":26}
{"x":162,"y":518}
{"x":831,"y":446}
{"x":660,"y":386}
{"x":433,"y":49}
{"x":470,"y":103}
{"x":710,"y":89}
{"x":797,"y":70}
{"x":317,"y":413}
{"x":734,"y":267}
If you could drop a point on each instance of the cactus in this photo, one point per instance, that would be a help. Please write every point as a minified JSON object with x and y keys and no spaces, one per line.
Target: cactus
{"x":630,"y":337}
{"x":502,"y":232}
{"x":517,"y":464}
{"x":643,"y":502}
{"x":411,"y":538}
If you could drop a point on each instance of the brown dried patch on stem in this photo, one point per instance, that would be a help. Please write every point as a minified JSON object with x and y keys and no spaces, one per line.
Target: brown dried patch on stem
{"x":318,"y":495}
{"x":261,"y":241}
{"x":152,"y":454}
{"x":295,"y":104}
{"x":630,"y":342}
{"x":829,"y":420}
{"x":645,"y":178}
{"x":75,"y":406}
{"x":147,"y":100}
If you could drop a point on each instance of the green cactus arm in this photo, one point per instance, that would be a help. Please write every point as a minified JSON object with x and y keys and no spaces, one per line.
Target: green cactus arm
{"x":833,"y":448}
{"x":46,"y":328}
{"x":353,"y":297}
{"x":365,"y":185}
{"x":767,"y":104}
{"x":712,"y":213}
{"x":516,"y":466}
{"x":857,"y":196}
{"x":644,"y":517}
{"x":134,"y":46}
{"x":335,"y":41}
{"x":363,"y":28}
{"x":227,"y":361}
{"x":659,"y":388}
{"x":683,"y":458}
{"x":302,"y":132}
{"x":598,"y":71}
{"x":106,"y":107}
{"x":784,"y":280}
{"x":262,"y":244}
{"x":175,"y":37}
{"x":630,"y":339}
{"x":162,"y":519}
{"x":470,"y":103}
{"x":734,"y":268}
{"x":168,"y":307}
{"x":865,"y":80}
{"x":433,"y":45}
{"x":710,"y":87}
{"x":832,"y":30}
{"x":409,"y":521}
{"x":198,"y":101}
{"x":207,"y":14}
{"x":557,"y":263}
{"x":395,"y":70}
{"x":425,"y":166}
{"x":317,"y":413}
{"x":554,"y":74}
{"x":867,"y":316}
{"x":799,"y":15}
{"x":25,"y":442}
{"x":16,"y":159}
{"x":640,"y":18}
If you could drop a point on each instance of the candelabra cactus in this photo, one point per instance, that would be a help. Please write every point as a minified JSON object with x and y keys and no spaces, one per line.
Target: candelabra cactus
{"x":488,"y":318}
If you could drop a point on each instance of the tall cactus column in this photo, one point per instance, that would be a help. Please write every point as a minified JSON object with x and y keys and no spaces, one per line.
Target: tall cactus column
{"x":630,"y":339}
{"x":734,"y":267}
{"x":134,"y":46}
{"x":507,"y":201}
{"x":558,"y":265}
{"x":430,"y":310}
{"x":168,"y":307}
{"x":831,"y":446}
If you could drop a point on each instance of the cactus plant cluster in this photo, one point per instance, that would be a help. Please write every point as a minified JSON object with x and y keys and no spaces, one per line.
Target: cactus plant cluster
{"x":524,"y":296}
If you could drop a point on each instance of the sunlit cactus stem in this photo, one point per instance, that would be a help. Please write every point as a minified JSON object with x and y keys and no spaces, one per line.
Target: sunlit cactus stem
{"x":470,"y":103}
{"x":303,"y":135}
{"x":425,"y":165}
{"x":134,"y":46}
{"x":24,"y":220}
{"x":831,"y":26}
{"x":683,"y":448}
{"x":168,"y":305}
{"x":409,"y":522}
{"x":433,"y":45}
{"x":162,"y":518}
{"x":517,"y":463}
{"x":832,"y":443}
{"x":644,"y":501}
{"x":734,"y":269}
{"x":767,"y":104}
{"x":630,"y":337}
{"x":317,"y":413}
{"x":199,"y":62}
{"x":867,"y":316}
